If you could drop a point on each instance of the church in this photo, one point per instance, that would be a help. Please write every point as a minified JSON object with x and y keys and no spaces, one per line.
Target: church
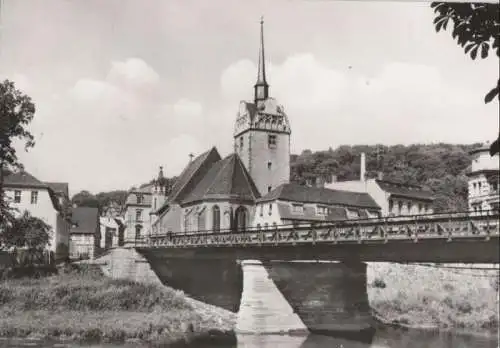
{"x":231,"y":194}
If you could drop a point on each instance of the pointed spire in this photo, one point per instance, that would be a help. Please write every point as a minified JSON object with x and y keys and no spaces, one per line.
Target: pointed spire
{"x":261,"y":86}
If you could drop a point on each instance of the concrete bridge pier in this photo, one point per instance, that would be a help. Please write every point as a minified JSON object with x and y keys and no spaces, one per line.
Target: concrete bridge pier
{"x":328,"y":297}
{"x":263,"y":308}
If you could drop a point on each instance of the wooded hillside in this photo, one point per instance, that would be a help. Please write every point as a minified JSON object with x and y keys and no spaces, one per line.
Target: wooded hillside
{"x":440,"y":167}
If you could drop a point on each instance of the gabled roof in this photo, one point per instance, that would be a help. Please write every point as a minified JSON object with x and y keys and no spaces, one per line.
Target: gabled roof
{"x":59,"y":187}
{"x":23,"y":179}
{"x":226,"y":179}
{"x":306,"y":194}
{"x":192,"y":174}
{"x":405,"y":190}
{"x":85,"y":220}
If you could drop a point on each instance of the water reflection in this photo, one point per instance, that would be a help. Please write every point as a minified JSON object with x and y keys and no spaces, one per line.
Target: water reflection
{"x":386,"y":338}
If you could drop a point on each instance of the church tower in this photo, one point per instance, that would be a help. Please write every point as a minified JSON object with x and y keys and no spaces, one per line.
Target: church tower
{"x":159,"y":191}
{"x":262,"y":133}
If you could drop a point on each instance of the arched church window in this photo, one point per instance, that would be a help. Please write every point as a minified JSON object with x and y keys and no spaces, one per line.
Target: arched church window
{"x":201,"y":221}
{"x":216,"y":218}
{"x":241,"y":219}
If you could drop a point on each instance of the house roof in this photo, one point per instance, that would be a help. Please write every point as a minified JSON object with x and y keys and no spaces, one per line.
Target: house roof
{"x":306,"y":194}
{"x":405,"y":190}
{"x":23,"y":179}
{"x":85,"y":220}
{"x":192,"y":174}
{"x":483,"y":148}
{"x":59,"y":187}
{"x":335,"y":213}
{"x":132,"y":198}
{"x":226,"y":179}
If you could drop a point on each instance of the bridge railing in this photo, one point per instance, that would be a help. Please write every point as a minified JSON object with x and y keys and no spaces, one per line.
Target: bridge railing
{"x":413,"y":227}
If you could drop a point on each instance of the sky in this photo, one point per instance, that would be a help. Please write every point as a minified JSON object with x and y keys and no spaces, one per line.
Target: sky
{"x":122,"y":87}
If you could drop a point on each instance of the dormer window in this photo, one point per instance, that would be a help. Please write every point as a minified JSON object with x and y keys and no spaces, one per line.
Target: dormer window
{"x":322,"y":210}
{"x":271,"y":141}
{"x":298,"y":208}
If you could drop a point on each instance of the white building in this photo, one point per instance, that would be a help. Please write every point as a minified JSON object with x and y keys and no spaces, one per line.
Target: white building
{"x":24,"y":192}
{"x":394,"y":198}
{"x":483,"y":181}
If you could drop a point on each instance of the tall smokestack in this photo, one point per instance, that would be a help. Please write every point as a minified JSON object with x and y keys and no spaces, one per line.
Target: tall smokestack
{"x":362,"y":173}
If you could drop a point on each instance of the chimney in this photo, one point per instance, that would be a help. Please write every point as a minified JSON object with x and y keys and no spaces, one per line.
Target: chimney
{"x":362,"y":174}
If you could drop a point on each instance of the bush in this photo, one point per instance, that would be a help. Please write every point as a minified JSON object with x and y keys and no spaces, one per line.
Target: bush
{"x":84,"y":288}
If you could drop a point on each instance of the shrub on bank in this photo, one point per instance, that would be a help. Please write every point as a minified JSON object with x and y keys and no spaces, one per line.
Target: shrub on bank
{"x":80,"y":303}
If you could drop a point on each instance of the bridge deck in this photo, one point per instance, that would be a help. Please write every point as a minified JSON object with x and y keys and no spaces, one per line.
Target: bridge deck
{"x":471,"y":238}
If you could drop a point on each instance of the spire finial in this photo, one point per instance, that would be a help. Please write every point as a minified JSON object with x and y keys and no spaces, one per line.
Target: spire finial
{"x":261,"y":86}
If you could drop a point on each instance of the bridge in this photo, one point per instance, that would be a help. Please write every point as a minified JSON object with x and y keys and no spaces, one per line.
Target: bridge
{"x":309,"y":277}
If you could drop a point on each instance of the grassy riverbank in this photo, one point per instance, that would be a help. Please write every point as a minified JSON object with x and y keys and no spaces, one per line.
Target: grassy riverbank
{"x":82,"y":304}
{"x":430,"y":296}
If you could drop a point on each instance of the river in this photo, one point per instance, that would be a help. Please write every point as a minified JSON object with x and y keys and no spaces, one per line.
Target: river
{"x":386,"y":338}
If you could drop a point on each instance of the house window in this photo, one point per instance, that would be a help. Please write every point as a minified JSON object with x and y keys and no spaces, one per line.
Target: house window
{"x":138,"y":229}
{"x":261,"y":210}
{"x":391,"y":204}
{"x":139,"y":199}
{"x":216,"y":218}
{"x":269,"y":165}
{"x":270,"y":209}
{"x":17,"y":196}
{"x":420,"y":208}
{"x":154,"y":204}
{"x":400,"y":206}
{"x":408,"y":206}
{"x":241,"y":142}
{"x":479,"y":187}
{"x":271,"y":141}
{"x":138,"y":215}
{"x":298,"y":208}
{"x":322,"y":210}
{"x":34,"y":197}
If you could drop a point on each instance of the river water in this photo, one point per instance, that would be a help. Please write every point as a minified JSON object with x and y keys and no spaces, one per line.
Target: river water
{"x":386,"y":338}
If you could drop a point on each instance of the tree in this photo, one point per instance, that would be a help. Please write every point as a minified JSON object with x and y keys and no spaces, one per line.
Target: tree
{"x":85,"y":199}
{"x":16,"y":113}
{"x":476,"y":26}
{"x":26,"y":232}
